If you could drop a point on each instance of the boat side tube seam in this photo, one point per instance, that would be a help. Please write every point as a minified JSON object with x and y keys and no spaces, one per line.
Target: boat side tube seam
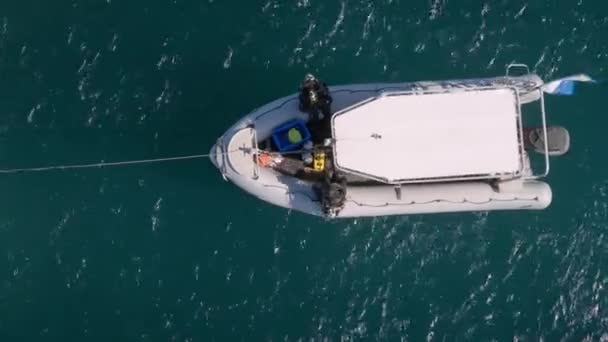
{"x":464,"y":201}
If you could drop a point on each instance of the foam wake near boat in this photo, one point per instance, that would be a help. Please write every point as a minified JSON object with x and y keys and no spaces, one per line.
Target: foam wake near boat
{"x":398,"y":148}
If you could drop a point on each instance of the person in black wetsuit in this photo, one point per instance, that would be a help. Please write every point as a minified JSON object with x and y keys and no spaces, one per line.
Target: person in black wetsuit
{"x":334,"y":196}
{"x":316,"y":100}
{"x":331,"y":191}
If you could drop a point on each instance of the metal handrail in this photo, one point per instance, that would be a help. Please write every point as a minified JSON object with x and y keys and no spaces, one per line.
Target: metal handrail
{"x":520,"y":125}
{"x":438,"y":90}
{"x":544,"y":122}
{"x":517,"y":65}
{"x":545,"y":139}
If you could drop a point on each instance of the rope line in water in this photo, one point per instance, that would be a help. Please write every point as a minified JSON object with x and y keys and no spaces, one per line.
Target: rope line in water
{"x":133,"y":162}
{"x":104,"y":164}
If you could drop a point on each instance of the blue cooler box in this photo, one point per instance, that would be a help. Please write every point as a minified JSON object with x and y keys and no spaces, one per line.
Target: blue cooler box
{"x":281,"y":140}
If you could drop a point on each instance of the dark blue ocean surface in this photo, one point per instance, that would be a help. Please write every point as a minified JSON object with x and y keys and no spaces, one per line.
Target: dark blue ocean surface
{"x":171,"y":252}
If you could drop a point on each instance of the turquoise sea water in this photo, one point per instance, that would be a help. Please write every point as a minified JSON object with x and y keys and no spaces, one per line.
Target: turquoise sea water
{"x":171,"y":252}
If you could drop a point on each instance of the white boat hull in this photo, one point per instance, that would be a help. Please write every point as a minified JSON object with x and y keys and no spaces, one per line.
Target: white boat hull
{"x":234,"y":154}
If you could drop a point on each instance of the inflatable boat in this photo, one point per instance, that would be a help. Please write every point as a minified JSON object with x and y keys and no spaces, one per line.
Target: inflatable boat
{"x":399,"y":148}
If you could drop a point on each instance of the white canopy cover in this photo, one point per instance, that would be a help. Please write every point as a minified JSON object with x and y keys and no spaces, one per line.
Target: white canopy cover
{"x":414,"y":137}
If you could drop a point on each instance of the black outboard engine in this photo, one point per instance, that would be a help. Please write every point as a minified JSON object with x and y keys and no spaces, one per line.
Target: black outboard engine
{"x":315,"y":98}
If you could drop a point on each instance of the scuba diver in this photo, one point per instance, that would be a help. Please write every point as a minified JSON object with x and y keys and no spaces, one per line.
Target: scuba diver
{"x":315,"y":99}
{"x":331,"y":192}
{"x":334,"y":197}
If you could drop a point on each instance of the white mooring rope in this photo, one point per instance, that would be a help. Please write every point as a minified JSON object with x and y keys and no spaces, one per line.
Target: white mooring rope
{"x":104,"y":164}
{"x":132,"y":162}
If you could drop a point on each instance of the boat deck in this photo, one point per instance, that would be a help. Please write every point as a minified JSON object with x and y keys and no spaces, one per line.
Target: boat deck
{"x":411,"y":137}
